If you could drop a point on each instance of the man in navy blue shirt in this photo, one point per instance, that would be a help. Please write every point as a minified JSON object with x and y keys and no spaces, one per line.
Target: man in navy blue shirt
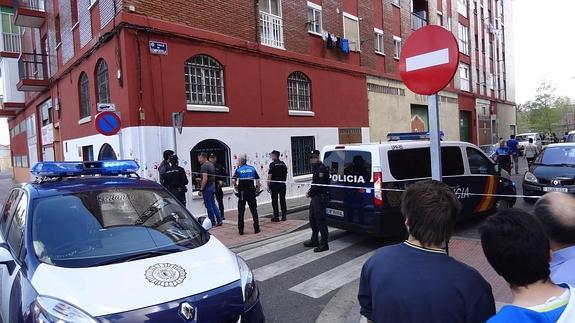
{"x":513,"y":146}
{"x":416,"y":281}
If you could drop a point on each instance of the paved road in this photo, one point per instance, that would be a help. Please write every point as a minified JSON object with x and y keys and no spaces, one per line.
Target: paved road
{"x":300,"y":286}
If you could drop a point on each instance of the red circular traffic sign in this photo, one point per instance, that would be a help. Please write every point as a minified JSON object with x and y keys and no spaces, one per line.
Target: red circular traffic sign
{"x":108,"y":123}
{"x":429,"y":59}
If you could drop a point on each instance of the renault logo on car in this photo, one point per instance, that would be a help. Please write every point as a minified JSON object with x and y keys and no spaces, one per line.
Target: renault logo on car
{"x":188,"y":312}
{"x":556,"y":182}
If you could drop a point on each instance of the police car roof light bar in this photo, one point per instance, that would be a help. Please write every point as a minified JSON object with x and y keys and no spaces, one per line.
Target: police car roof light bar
{"x":67,"y":169}
{"x":396,"y":136}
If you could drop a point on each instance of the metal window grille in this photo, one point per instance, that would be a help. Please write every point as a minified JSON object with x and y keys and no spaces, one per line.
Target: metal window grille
{"x":103,"y":85}
{"x":371,"y":87}
{"x":271,"y":30}
{"x":204,"y":81}
{"x":84,"y":96}
{"x":299,"y":94}
{"x":301,"y":147}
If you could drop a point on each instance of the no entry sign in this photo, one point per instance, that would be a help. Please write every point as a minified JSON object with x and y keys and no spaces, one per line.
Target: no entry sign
{"x":108,"y":123}
{"x":429,"y":59}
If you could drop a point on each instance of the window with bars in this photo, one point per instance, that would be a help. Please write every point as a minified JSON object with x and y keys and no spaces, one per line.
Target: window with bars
{"x":84,"y":88}
{"x":102,"y":82}
{"x":204,"y":81}
{"x":301,"y":147}
{"x":299,"y":92}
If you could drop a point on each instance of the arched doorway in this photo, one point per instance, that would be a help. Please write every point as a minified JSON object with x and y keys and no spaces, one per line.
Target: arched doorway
{"x":107,"y":153}
{"x":210,"y":146}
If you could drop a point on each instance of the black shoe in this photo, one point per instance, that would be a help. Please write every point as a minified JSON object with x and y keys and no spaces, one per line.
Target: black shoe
{"x":284,"y":218}
{"x":257,"y":231}
{"x":241,"y":233}
{"x":311,"y":243}
{"x":219,"y":224}
{"x":275,"y":219}
{"x":320,"y":248}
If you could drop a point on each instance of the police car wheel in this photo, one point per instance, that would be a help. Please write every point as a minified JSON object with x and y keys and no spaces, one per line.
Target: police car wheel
{"x":502,"y":204}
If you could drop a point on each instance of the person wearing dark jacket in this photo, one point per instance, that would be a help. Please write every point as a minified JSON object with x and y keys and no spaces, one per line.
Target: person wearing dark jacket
{"x":176,"y":180}
{"x":165,"y":165}
{"x":319,"y":197}
{"x":277,"y":175}
{"x":220,"y":176}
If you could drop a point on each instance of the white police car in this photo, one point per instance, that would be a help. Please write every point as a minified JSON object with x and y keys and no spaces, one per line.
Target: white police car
{"x":92,"y":242}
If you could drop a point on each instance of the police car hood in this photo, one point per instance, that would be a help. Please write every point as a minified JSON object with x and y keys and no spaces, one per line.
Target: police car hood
{"x":137,"y":284}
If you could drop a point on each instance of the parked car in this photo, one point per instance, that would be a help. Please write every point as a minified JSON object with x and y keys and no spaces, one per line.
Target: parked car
{"x":523,"y":139}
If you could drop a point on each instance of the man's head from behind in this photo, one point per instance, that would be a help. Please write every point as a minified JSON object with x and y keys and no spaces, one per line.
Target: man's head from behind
{"x":167,"y":154}
{"x":202,"y":157}
{"x":516,"y":247}
{"x":556,"y":212}
{"x":512,"y":136}
{"x":431,"y":210}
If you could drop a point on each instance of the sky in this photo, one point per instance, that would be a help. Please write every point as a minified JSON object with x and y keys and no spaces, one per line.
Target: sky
{"x":544,"y":47}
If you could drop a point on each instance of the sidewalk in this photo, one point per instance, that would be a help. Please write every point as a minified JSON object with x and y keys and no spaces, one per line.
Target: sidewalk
{"x":228,"y":232}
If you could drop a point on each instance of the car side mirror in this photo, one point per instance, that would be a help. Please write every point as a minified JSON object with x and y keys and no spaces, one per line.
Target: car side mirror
{"x":497,"y":169}
{"x":205,"y":222}
{"x":6,"y":258}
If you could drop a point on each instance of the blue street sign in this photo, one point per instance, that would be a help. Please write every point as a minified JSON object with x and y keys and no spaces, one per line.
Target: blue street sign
{"x":108,"y":123}
{"x":159,"y":48}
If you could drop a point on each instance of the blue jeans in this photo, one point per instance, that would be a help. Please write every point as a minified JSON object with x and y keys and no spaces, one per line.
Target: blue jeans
{"x":209,"y":200}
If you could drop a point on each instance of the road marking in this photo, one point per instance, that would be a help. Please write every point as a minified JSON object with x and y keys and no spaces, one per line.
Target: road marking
{"x":435,"y":58}
{"x":333,"y":279}
{"x":279,"y":267}
{"x":288,"y":241}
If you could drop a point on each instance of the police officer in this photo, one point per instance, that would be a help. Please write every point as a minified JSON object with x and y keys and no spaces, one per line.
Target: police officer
{"x":243,"y":181}
{"x":319,"y":197}
{"x":176,"y":180}
{"x":277,"y":176}
{"x":165,"y":166}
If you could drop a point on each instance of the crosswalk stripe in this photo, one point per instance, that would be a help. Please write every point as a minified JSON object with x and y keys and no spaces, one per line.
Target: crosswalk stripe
{"x":279,"y":267}
{"x":288,"y":241}
{"x":333,"y":279}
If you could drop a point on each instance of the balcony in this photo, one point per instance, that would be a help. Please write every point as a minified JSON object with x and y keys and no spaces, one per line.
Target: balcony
{"x":10,"y":45}
{"x":33,"y":72}
{"x":29,"y":13}
{"x":418,"y":20}
{"x":271,"y":30}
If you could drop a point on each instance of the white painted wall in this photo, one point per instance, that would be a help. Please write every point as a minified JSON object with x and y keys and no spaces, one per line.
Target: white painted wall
{"x":146,"y":145}
{"x":10,"y":77}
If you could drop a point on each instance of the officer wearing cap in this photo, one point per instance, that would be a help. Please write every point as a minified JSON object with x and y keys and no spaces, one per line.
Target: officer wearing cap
{"x":176,"y":179}
{"x":277,"y":175}
{"x":319,"y":198}
{"x":243,"y":180}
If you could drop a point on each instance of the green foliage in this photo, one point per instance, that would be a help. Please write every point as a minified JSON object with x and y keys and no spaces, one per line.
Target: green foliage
{"x":545,"y":112}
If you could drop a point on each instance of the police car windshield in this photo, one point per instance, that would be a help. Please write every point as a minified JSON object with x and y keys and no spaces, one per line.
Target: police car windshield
{"x":557,"y":156}
{"x":99,"y":227}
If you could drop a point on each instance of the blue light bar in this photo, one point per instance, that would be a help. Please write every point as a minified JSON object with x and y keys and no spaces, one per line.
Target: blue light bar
{"x":395,"y":136}
{"x":67,"y":169}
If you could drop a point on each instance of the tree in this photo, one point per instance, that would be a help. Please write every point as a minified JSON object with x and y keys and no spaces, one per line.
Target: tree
{"x":544,"y":112}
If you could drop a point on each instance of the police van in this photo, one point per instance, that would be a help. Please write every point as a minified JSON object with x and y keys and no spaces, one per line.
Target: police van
{"x":92,"y":242}
{"x":367,"y":181}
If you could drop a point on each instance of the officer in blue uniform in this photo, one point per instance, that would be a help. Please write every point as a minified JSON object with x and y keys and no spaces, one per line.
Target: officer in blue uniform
{"x":319,"y":198}
{"x":243,"y":181}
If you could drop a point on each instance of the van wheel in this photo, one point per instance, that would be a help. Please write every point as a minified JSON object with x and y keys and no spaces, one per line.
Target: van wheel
{"x":502,"y":204}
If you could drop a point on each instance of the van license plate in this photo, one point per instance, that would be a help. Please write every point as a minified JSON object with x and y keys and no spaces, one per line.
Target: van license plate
{"x":334,"y":212}
{"x":556,"y":189}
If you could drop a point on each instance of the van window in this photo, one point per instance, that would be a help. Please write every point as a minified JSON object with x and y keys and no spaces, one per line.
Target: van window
{"x":416,"y":163}
{"x":9,"y":208}
{"x":349,"y":162}
{"x":478,"y":163}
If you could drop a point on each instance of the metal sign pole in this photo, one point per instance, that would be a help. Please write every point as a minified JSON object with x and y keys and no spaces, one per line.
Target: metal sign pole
{"x":435,"y":137}
{"x":174,"y":129}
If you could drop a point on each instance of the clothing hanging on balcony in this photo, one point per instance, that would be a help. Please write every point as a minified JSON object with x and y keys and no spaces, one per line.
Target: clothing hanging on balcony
{"x":338,"y":43}
{"x":329,"y":42}
{"x":345,"y":46}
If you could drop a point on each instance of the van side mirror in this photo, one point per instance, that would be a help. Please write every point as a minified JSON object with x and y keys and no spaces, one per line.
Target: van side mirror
{"x":205,"y":222}
{"x":497,"y":168}
{"x":6,"y":258}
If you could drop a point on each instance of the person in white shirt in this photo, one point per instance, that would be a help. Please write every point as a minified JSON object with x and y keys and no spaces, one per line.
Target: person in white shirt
{"x":531,"y":152}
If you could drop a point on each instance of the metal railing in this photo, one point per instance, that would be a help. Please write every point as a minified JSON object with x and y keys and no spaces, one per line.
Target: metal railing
{"x":271,"y":30}
{"x":33,"y":66}
{"x":29,"y":4}
{"x":417,"y":22}
{"x":10,"y":43}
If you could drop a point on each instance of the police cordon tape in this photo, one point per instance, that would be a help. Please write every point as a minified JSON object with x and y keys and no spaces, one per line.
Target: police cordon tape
{"x":369,"y":189}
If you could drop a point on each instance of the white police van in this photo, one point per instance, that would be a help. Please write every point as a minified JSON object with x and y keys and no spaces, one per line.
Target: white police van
{"x":368,"y":179}
{"x":92,"y":242}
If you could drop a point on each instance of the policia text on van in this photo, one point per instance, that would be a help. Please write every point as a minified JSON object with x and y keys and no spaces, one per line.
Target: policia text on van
{"x":376,"y":174}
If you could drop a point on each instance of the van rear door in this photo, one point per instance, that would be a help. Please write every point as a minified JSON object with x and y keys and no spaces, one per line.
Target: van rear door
{"x":352,"y":194}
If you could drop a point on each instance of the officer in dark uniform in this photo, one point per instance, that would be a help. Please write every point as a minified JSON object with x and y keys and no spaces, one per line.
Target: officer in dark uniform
{"x":276,"y":175}
{"x":319,"y":198}
{"x":221,"y":174}
{"x":164,"y":166}
{"x":243,"y":180}
{"x":176,"y":180}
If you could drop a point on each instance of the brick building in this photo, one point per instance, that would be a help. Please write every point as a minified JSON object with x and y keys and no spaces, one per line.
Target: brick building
{"x":247,"y":76}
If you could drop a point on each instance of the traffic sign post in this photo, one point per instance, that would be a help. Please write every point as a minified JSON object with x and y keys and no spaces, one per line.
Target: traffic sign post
{"x":428,"y":62}
{"x":108,"y":123}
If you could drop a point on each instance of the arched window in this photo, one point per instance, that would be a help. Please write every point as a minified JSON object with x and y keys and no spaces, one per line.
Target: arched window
{"x":204,"y":81}
{"x":102,"y":83}
{"x":107,"y":153}
{"x":84,"y":89}
{"x":299,"y":92}
{"x":210,"y":146}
